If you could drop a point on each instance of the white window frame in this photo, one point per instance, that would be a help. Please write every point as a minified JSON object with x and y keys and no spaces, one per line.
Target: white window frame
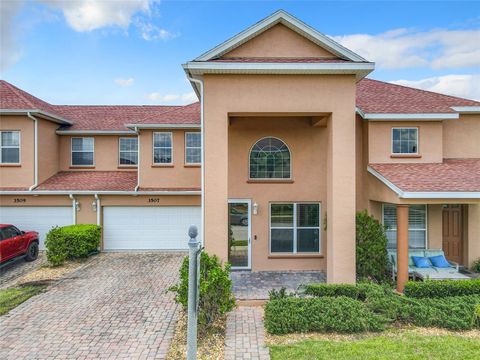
{"x":405,"y":128}
{"x":271,"y":179}
{"x":396,"y":227}
{"x":193,"y":147}
{"x":11,"y":147}
{"x":161,"y":147}
{"x":129,"y":151}
{"x":295,"y":227}
{"x":71,"y":151}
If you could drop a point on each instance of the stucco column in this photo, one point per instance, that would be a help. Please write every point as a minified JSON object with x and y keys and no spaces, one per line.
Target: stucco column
{"x":473,"y":233}
{"x":341,"y":198}
{"x":402,"y":246}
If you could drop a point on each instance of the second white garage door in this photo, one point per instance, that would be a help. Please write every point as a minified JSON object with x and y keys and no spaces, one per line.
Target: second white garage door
{"x":148,"y":228}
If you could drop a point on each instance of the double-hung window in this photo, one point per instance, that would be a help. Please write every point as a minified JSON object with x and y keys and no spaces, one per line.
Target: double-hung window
{"x":405,"y":141}
{"x":417,"y":226}
{"x":9,"y":147}
{"x":295,"y":228}
{"x":128,"y":151}
{"x":193,"y":148}
{"x":162,"y":148}
{"x":82,"y":151}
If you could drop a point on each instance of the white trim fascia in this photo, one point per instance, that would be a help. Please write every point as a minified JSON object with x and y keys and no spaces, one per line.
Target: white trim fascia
{"x":360,"y":112}
{"x":291,"y":22}
{"x":48,"y":116}
{"x":466,"y":109}
{"x":163,"y":126}
{"x":93,"y":192}
{"x":200,"y":68}
{"x":409,"y":117}
{"x":95,"y":132}
{"x":424,"y":194}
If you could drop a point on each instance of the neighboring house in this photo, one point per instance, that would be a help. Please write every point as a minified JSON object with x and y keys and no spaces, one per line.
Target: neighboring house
{"x":297,"y":140}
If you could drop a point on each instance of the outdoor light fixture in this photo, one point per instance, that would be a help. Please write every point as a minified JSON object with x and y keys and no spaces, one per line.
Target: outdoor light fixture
{"x":94,"y":206}
{"x":77,"y":206}
{"x":255,"y":208}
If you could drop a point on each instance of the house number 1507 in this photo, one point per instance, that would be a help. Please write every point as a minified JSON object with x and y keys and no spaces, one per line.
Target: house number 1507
{"x":153,"y":200}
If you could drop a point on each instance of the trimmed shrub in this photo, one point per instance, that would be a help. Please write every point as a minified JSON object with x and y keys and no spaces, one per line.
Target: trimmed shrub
{"x":72,"y":242}
{"x":442,"y":288}
{"x":371,"y":249}
{"x":358,"y":292}
{"x":216,"y":296}
{"x":476,"y":266}
{"x":324,"y":314}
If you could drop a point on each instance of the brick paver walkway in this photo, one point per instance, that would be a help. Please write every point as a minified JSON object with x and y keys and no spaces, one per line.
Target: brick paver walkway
{"x":245,"y":336}
{"x":12,"y":271}
{"x":114,"y":308}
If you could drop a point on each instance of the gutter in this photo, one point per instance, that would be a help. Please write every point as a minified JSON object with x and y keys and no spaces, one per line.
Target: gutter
{"x":202,"y":132}
{"x":35,"y":151}
{"x":74,"y":208}
{"x":138,"y":159}
{"x":93,"y":192}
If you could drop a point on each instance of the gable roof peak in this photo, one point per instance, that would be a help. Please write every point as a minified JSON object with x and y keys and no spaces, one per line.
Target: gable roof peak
{"x":290,"y":21}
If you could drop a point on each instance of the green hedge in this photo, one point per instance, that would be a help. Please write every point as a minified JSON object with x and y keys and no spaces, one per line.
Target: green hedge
{"x":442,"y":288}
{"x":324,"y":314}
{"x":358,"y":292}
{"x":72,"y":242}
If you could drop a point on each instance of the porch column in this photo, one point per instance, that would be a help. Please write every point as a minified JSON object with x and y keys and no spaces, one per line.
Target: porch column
{"x":473,"y":237}
{"x":402,"y":246}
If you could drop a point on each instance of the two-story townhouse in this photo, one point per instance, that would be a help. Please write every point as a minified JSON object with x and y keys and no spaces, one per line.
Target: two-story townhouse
{"x":296,"y":140}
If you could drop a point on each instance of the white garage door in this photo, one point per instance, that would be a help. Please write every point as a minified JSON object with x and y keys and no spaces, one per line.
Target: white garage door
{"x":40,"y":219}
{"x":148,"y":228}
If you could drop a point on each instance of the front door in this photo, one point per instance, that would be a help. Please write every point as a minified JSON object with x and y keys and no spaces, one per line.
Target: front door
{"x":452,"y":233}
{"x":239,"y":234}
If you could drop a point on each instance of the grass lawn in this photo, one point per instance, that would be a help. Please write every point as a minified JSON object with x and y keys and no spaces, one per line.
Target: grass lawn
{"x":12,"y":297}
{"x":398,"y":347}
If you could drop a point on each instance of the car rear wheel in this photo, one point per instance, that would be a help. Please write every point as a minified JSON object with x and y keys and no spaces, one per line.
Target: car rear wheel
{"x":32,"y":252}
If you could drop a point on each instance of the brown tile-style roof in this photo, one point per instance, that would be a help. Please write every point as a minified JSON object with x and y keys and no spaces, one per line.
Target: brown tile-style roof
{"x":280,"y":60}
{"x":451,"y":175}
{"x":91,"y":181}
{"x":188,"y":114}
{"x":375,"y":96}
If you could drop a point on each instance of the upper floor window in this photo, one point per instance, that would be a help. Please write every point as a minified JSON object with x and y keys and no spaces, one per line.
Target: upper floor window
{"x":82,"y":151}
{"x":193,"y":148}
{"x":417,"y":226}
{"x":405,"y":141}
{"x":162,"y":148}
{"x":128,"y":151}
{"x":10,"y":147}
{"x":270,"y":159}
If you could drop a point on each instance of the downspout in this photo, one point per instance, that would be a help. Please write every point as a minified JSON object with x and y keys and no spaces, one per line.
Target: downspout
{"x":202,"y":186}
{"x":138,"y":158}
{"x":74,"y":209}
{"x":35,"y":151}
{"x":97,"y":199}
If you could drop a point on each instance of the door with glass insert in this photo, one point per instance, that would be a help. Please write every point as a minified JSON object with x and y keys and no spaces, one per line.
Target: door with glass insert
{"x":239,"y":234}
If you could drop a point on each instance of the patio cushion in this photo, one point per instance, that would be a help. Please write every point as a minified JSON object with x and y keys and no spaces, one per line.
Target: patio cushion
{"x":421,"y":262}
{"x":434,"y":252}
{"x":412,"y":253}
{"x":439,"y":261}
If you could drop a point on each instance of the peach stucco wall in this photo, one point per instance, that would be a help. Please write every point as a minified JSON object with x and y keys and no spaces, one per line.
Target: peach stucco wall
{"x":279,"y":41}
{"x":293,"y":95}
{"x":177,"y":175}
{"x":308,"y":145}
{"x":461,"y":137}
{"x":48,"y":150}
{"x":19,"y":175}
{"x":429,"y":141}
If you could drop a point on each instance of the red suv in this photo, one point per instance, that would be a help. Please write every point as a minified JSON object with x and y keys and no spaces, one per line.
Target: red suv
{"x":14,"y":242}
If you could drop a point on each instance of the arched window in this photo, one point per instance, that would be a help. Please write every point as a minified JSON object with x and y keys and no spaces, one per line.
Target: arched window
{"x":270,"y":159}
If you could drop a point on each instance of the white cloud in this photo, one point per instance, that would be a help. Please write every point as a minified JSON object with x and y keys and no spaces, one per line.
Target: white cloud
{"x":404,"y":48}
{"x":124,"y":82}
{"x":9,"y":42}
{"x":88,"y":15}
{"x":465,"y":86}
{"x":185,"y":98}
{"x":149,"y":31}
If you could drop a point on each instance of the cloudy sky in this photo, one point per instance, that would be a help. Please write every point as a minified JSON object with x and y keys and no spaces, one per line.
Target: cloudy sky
{"x":131,"y":51}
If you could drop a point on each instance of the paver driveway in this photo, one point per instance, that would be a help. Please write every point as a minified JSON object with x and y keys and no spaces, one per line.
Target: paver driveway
{"x":115,"y":308}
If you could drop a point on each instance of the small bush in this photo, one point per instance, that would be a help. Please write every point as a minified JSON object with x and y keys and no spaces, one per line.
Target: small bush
{"x":476,"y":266}
{"x":358,"y":292}
{"x":279,"y":294}
{"x":216,"y":296}
{"x":324,"y":314}
{"x":371,"y":249}
{"x":442,"y":288}
{"x":72,"y":242}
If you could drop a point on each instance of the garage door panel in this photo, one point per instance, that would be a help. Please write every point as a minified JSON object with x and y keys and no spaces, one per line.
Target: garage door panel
{"x":39,"y":218}
{"x":148,"y":228}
